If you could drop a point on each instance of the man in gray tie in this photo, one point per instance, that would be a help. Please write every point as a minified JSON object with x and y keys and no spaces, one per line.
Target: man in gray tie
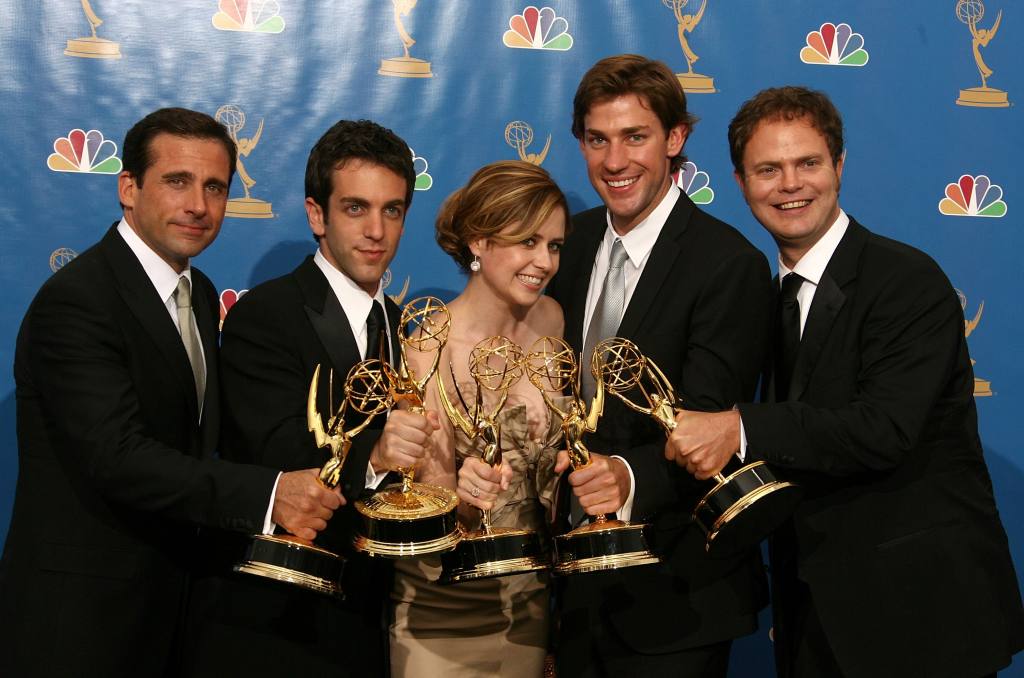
{"x":118,"y":420}
{"x":695,"y":296}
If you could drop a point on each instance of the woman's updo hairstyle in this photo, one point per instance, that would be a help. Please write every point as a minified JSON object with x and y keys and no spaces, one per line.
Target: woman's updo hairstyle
{"x":499,"y":194}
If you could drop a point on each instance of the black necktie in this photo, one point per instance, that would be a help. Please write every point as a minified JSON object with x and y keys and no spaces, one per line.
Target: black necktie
{"x":787,"y":339}
{"x":375,"y":327}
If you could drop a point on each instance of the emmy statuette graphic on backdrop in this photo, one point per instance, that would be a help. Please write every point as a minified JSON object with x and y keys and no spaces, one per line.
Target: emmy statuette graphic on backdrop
{"x":742,"y":508}
{"x":982,"y":387}
{"x":519,"y":135}
{"x":606,"y":543}
{"x":410,"y":518}
{"x":692,"y":82}
{"x":93,"y":47}
{"x":970,"y":12}
{"x":233,"y":119}
{"x":496,"y":365}
{"x":405,"y":66}
{"x":287,"y":558}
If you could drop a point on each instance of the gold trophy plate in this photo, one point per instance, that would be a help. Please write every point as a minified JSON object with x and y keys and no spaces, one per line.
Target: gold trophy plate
{"x":293,"y":561}
{"x":499,"y":552}
{"x":602,"y":545}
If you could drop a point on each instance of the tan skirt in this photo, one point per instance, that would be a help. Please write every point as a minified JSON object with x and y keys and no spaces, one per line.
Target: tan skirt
{"x":487,"y":627}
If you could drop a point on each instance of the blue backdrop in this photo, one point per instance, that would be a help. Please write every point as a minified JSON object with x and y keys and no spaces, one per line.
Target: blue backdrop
{"x":931,"y":147}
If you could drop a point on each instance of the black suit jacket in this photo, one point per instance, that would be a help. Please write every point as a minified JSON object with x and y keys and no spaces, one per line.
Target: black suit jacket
{"x":897,"y":538}
{"x":115,"y":471}
{"x":700,"y":310}
{"x":273,"y":339}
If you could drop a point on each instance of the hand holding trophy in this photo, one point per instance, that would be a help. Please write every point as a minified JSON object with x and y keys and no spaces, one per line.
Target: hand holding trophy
{"x":726,"y":513}
{"x":297,"y":561}
{"x":606,"y":543}
{"x":412,"y":518}
{"x":496,"y":365}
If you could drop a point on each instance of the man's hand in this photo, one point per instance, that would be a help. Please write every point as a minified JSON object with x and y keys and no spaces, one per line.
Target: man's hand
{"x":404,"y":441}
{"x":479,"y":483}
{"x":302,"y":505}
{"x":704,"y":442}
{"x":602,"y":486}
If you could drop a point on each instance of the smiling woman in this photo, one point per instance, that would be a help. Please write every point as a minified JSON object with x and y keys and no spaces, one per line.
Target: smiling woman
{"x":510,"y":221}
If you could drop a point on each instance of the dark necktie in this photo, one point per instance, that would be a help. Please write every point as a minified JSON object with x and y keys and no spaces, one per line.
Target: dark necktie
{"x":787,"y":340}
{"x":375,"y":328}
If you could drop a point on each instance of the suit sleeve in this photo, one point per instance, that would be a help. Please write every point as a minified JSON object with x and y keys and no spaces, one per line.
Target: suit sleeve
{"x":265,"y":384}
{"x":723,"y":352}
{"x":81,"y":367}
{"x":907,"y":348}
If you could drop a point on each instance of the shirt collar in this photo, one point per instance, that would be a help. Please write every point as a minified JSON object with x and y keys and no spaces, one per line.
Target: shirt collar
{"x":812,"y":265}
{"x":351,"y":296}
{"x":159,"y":272}
{"x":639,"y":242}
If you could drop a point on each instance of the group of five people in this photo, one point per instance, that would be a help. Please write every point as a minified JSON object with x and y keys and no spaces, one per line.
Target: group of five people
{"x":135,"y":428}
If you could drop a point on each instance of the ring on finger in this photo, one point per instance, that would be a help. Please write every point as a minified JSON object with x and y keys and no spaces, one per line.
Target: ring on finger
{"x":475,"y":491}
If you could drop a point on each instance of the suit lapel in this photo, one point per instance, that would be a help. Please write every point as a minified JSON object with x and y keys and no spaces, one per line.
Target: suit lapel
{"x":207,"y":321}
{"x":579,"y":280}
{"x":828,"y":301}
{"x":327,"y":316}
{"x":657,"y":268}
{"x":138,"y":293}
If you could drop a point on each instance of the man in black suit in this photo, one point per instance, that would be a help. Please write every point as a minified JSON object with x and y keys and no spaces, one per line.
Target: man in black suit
{"x":118,"y":417}
{"x":695,"y":298}
{"x":895,"y":563}
{"x":359,"y":185}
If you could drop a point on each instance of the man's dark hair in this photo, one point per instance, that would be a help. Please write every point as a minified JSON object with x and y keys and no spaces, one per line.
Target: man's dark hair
{"x":650,"y":80}
{"x":136,"y":156}
{"x":356,"y":140}
{"x":786,"y":103}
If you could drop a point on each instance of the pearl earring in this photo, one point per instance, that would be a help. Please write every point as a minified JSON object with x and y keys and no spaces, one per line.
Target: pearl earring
{"x":475,"y":264}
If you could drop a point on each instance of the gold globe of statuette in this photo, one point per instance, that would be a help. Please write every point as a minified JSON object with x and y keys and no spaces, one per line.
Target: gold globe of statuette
{"x":496,"y":363}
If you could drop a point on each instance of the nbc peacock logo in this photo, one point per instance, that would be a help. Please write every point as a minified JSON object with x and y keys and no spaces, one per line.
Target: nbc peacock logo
{"x":834,"y":45}
{"x":538,"y":29}
{"x":973,"y":196}
{"x":228,"y":298}
{"x":423,"y":180}
{"x":695,"y":183}
{"x":249,"y":16}
{"x":84,"y":152}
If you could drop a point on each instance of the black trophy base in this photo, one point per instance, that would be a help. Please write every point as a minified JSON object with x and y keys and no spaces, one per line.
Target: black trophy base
{"x":498,"y":552}
{"x":397,"y":524}
{"x":745,"y":508}
{"x":602,"y":545}
{"x":289,"y":560}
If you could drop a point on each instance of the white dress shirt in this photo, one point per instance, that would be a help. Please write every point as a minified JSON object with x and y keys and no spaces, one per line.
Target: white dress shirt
{"x":810,"y":267}
{"x":638,"y":244}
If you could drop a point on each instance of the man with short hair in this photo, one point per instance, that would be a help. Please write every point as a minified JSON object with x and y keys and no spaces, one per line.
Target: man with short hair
{"x":118,"y":419}
{"x":695,"y":297}
{"x":330,"y":311}
{"x":895,"y":563}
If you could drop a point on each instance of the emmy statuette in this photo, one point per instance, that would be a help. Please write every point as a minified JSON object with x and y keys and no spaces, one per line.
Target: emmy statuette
{"x":743,"y":507}
{"x":496,"y":365}
{"x":606,"y":543}
{"x":412,"y":519}
{"x":297,"y":561}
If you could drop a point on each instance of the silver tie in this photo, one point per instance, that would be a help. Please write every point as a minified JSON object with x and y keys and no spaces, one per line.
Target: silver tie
{"x":183,"y":299}
{"x":607,"y":313}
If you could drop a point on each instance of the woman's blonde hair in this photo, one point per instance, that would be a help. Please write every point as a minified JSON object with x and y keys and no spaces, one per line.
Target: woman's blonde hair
{"x":499,"y":194}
